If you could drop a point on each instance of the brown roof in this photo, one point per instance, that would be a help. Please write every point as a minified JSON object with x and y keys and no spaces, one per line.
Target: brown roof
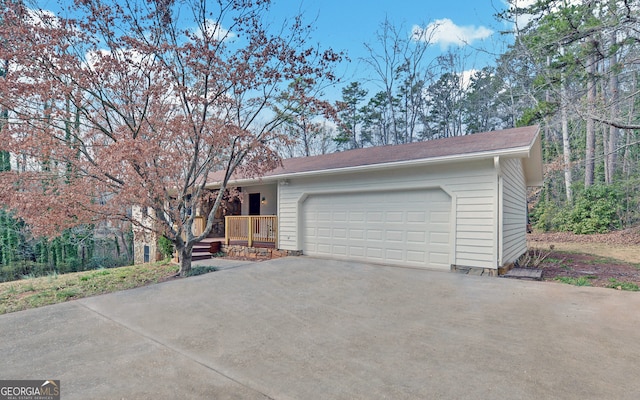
{"x":479,"y":143}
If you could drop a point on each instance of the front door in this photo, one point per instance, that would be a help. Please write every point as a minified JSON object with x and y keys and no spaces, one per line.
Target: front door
{"x":254,"y":203}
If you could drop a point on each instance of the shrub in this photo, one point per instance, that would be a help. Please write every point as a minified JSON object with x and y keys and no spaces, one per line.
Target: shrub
{"x":596,"y":210}
{"x":165,"y":246}
{"x":201,"y":269}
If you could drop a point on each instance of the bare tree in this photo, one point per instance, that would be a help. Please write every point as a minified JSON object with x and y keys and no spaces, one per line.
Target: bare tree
{"x":165,"y":93}
{"x":402,"y":71}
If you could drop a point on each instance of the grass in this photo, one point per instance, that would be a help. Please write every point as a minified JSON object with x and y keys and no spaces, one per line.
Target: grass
{"x":52,"y":289}
{"x":626,"y":253}
{"x":581,"y":281}
{"x":630,"y":286}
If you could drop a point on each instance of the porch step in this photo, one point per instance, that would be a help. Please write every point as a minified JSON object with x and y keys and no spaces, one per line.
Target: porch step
{"x":200,"y":256}
{"x":204,"y":247}
{"x":200,"y":250}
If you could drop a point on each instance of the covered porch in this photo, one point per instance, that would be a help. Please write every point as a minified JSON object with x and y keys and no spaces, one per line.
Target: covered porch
{"x":245,"y":226}
{"x":244,"y":236}
{"x":251,"y":230}
{"x":249,"y":219}
{"x":244,"y":230}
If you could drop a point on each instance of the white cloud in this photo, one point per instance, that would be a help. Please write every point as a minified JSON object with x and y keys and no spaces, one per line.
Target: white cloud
{"x":42,"y":18}
{"x":94,"y":58}
{"x":466,"y":77}
{"x":214,"y":31}
{"x":522,"y":20}
{"x":445,"y":33}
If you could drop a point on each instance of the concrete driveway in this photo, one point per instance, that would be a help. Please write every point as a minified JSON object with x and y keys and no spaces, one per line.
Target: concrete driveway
{"x":304,"y":328}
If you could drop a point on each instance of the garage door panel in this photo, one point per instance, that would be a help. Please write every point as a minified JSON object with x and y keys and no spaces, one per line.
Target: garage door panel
{"x":408,"y":228}
{"x":439,"y":216}
{"x":417,"y":216}
{"x":416,"y":237}
{"x":416,"y":256}
{"x":394,"y":236}
{"x":438,"y":238}
{"x":340,"y":250}
{"x":439,"y":258}
{"x":323,"y":216}
{"x":356,"y":216}
{"x":340,"y":216}
{"x":340,"y":233}
{"x":374,"y":252}
{"x":374,"y":234}
{"x":374,"y":216}
{"x":323,"y":233}
{"x":394,"y":216}
{"x":394,"y":255}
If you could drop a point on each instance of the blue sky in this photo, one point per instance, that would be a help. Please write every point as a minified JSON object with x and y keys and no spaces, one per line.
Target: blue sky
{"x":468,"y":26}
{"x":348,"y":24}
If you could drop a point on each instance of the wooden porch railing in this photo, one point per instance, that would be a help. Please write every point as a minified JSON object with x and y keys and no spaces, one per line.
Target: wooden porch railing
{"x":256,"y":228}
{"x":197,"y":228}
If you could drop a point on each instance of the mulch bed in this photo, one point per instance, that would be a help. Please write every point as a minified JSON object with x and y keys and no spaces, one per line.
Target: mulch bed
{"x":627,"y":237}
{"x":594,"y":270}
{"x":591,"y":270}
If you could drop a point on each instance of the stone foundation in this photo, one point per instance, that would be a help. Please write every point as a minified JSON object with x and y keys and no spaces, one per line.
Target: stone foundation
{"x":140,"y":240}
{"x":257,"y":252}
{"x":474,"y":270}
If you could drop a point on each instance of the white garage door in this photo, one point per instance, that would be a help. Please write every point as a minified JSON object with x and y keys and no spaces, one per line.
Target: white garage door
{"x":407,"y":228}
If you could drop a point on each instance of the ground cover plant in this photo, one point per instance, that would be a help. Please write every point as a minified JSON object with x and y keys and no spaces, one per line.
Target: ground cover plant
{"x":56,"y":288}
{"x":609,"y":260}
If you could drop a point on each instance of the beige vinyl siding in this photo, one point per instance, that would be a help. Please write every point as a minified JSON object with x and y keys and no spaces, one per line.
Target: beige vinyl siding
{"x":475,"y":227}
{"x":472,"y":186}
{"x":514,"y":210}
{"x":268,"y":192}
{"x":288,"y":220}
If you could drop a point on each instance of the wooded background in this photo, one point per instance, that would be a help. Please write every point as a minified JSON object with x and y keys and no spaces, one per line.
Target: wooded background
{"x":570,"y":66}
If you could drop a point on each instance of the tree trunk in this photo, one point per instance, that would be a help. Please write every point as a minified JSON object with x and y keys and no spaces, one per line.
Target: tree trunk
{"x":629,"y":134}
{"x":589,"y":169}
{"x":566,"y":144}
{"x":185,"y":260}
{"x":611,"y":151}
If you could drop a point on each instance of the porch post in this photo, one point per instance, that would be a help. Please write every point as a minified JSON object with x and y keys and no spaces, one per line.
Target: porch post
{"x":250,"y":236}
{"x":226,"y":230}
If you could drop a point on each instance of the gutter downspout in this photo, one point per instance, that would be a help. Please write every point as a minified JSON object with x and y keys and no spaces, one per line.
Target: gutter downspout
{"x":498,"y":212}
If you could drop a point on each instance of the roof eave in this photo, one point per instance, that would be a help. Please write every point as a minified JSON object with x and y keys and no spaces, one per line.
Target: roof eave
{"x":532,"y":164}
{"x":516,"y":152}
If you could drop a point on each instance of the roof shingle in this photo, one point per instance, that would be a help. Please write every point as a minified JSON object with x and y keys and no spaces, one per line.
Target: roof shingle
{"x":478,"y":143}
